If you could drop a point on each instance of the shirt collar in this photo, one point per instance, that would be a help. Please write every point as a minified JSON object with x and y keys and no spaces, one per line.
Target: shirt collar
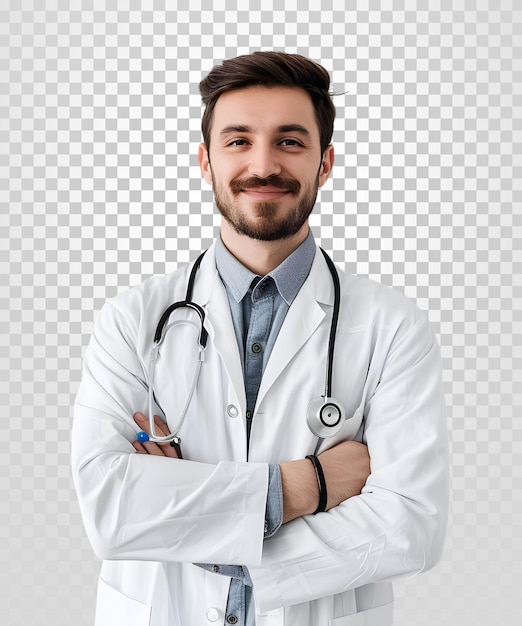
{"x":288,"y":277}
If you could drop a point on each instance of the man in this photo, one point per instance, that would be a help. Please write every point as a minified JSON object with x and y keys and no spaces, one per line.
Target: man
{"x":240,"y":522}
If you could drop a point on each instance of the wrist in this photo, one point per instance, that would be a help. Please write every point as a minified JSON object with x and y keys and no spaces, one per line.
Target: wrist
{"x":300,"y":489}
{"x":321,"y":484}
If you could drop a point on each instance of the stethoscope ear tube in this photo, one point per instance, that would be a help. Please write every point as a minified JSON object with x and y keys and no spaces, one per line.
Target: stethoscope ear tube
{"x":333,"y":326}
{"x":161,"y":329}
{"x":203,"y":334}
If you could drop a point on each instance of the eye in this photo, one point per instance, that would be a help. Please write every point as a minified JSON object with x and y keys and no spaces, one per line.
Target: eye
{"x":291,"y":143}
{"x":237,"y":143}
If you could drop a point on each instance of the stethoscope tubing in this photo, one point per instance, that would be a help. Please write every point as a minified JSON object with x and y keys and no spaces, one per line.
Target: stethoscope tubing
{"x":326,"y":401}
{"x":333,"y":326}
{"x":161,"y":330}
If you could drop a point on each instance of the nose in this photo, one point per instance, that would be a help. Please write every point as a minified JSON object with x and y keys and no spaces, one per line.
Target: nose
{"x":264,"y":161}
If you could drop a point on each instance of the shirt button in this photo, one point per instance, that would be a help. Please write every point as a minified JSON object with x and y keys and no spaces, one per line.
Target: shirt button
{"x":256,"y":348}
{"x":232,"y":410}
{"x":262,"y":287}
{"x":232,"y":619}
{"x":212,"y":614}
{"x":215,"y":569}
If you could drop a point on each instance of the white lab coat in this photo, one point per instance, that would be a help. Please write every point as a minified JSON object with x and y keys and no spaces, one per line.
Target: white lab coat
{"x":150,"y":518}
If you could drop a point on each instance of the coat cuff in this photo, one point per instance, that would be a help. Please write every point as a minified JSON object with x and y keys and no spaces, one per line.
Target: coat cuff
{"x":274,"y":501}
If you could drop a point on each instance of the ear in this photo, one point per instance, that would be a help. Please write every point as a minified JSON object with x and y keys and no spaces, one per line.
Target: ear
{"x":326,"y":165}
{"x":204,"y":163}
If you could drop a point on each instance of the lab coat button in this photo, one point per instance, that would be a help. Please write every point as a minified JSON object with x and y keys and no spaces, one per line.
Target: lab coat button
{"x":212,"y":614}
{"x":232,"y":410}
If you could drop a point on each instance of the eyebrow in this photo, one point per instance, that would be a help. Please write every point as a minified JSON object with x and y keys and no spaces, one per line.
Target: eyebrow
{"x":285,"y":128}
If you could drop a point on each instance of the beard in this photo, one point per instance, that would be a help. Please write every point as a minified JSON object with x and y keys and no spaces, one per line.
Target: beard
{"x":264,"y":224}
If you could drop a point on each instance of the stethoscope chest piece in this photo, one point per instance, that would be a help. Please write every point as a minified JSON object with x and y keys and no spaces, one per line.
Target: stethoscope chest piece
{"x":325,"y":417}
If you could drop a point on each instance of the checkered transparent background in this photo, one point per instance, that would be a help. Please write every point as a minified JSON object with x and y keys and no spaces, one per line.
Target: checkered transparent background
{"x":99,"y":187}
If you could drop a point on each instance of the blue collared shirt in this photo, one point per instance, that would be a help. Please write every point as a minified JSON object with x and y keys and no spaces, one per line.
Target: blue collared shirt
{"x":258,"y":305}
{"x":281,"y":286}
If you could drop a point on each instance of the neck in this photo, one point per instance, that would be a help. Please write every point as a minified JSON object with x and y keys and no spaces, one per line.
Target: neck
{"x":260,"y":257}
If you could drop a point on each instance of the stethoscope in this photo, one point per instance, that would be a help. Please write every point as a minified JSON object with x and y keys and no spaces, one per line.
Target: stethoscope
{"x":326,"y":415}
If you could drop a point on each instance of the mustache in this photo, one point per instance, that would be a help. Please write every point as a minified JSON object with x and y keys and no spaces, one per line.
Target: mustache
{"x":288,"y":184}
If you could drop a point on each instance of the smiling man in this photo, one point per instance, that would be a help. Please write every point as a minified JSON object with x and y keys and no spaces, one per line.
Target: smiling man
{"x":267,"y":169}
{"x":308,"y":458}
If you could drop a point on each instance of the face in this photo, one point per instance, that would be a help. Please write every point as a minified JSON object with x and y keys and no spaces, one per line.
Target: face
{"x":265,"y":162}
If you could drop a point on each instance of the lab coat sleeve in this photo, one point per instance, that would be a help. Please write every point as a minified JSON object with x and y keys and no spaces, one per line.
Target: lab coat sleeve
{"x":397,"y":525}
{"x":145,"y":507}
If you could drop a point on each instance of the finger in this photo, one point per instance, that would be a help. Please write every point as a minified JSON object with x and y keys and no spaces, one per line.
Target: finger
{"x":161,"y":426}
{"x":142,"y":421}
{"x":161,"y":430}
{"x":160,"y":449}
{"x":139,"y":448}
{"x":156,"y":449}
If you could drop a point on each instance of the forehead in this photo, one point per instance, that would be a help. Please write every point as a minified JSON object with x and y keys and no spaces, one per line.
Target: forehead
{"x":265,"y":109}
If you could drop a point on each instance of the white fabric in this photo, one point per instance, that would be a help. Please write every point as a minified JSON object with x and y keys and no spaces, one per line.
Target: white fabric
{"x":150,"y":518}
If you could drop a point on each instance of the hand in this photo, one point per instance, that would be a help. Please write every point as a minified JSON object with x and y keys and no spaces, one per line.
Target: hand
{"x":150,"y":447}
{"x":346,"y":468}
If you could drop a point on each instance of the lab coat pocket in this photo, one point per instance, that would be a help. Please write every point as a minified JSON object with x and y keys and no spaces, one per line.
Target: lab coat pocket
{"x":114,"y":608}
{"x":379,"y":616}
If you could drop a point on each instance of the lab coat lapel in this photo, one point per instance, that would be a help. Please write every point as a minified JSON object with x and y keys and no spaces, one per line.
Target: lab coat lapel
{"x":303,"y":318}
{"x":210,"y":293}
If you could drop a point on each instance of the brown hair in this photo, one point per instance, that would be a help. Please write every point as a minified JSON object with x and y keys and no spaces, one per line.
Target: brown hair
{"x":270,"y":69}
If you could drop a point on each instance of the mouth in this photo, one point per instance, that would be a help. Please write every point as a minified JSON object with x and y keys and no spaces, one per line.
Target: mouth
{"x":265,"y":193}
{"x":268,"y":189}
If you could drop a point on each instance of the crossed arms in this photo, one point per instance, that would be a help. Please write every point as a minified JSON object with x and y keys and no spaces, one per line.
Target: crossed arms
{"x":346,"y":467}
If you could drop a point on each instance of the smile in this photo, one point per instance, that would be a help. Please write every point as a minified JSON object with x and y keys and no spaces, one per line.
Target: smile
{"x":265,"y":193}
